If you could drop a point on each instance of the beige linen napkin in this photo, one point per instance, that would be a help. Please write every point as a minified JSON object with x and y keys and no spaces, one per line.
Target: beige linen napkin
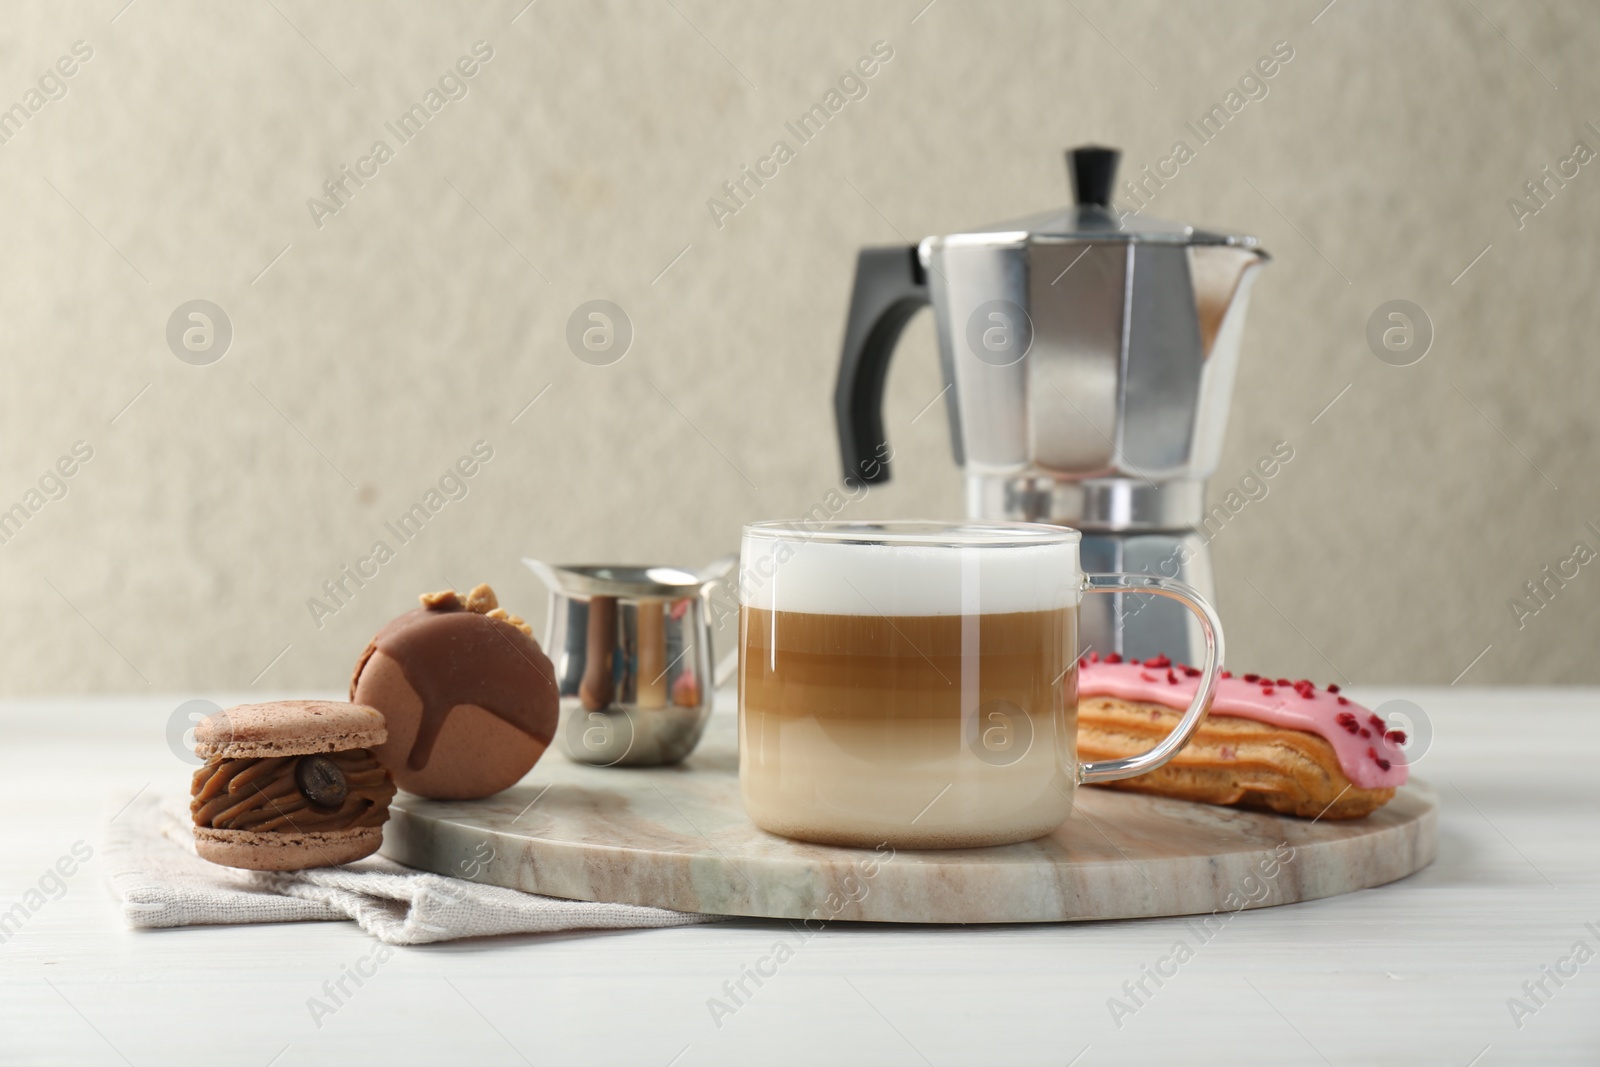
{"x":159,"y":880}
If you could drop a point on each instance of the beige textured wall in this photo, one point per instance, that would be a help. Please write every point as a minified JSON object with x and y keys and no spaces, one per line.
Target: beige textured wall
{"x":426,"y":313}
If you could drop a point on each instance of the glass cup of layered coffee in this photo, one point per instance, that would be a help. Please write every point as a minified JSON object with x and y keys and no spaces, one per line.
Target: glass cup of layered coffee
{"x":915,"y":684}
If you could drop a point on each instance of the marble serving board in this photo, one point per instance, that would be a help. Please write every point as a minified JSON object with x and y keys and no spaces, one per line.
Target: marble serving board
{"x":677,"y":837}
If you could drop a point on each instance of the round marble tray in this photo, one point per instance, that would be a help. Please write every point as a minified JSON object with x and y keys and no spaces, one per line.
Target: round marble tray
{"x":677,"y":837}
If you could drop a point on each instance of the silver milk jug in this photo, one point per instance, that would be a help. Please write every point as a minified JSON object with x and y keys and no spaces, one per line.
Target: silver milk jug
{"x":633,"y":657}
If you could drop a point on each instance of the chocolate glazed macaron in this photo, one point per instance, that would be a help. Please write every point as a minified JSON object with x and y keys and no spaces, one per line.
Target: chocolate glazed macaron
{"x":469,"y":698}
{"x":289,"y":785}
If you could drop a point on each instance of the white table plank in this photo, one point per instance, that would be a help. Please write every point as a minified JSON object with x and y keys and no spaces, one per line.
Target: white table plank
{"x":1416,"y":972}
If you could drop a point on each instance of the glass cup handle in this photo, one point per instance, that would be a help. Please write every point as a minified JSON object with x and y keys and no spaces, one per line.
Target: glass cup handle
{"x":1111,"y":770}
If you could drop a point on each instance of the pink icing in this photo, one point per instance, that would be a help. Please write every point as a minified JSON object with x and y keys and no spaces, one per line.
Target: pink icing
{"x":1369,"y":752}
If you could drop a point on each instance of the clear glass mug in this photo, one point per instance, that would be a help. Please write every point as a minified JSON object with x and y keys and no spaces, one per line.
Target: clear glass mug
{"x":915,"y":684}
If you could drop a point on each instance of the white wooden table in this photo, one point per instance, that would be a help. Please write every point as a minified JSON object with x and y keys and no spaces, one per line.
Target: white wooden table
{"x":1418,"y":972}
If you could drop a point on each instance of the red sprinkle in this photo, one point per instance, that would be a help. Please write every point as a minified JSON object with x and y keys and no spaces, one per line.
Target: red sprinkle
{"x":1147,"y":676}
{"x":1348,"y":721}
{"x":1332,"y":688}
{"x":1225,"y":674}
{"x":1192,"y":672}
{"x":1252,"y":677}
{"x":1377,"y":723}
{"x":1342,"y":700}
{"x":1365,"y":732}
{"x":1158,"y":661}
{"x":1094,"y":657}
{"x":1382,"y":763}
{"x":1172,"y":679}
{"x":1113,"y":657}
{"x":1395,"y":737}
{"x":1285,"y":682}
{"x":1267,"y":690}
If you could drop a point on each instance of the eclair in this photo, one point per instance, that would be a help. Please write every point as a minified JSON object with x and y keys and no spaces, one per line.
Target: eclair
{"x":1270,"y":744}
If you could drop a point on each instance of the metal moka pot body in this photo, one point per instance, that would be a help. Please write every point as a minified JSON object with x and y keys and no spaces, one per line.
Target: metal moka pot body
{"x":1088,"y":358}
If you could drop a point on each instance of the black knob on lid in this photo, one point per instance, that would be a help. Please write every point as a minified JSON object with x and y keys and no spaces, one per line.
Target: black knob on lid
{"x":1093,"y":169}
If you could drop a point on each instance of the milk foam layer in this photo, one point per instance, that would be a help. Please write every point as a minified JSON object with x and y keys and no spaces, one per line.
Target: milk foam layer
{"x":833,"y":578}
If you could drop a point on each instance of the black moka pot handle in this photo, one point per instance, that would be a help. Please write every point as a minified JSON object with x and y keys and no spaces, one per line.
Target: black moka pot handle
{"x":890,"y":287}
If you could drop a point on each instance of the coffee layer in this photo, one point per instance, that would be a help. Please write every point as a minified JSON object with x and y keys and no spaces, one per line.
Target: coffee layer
{"x":924,"y":731}
{"x":915,"y":666}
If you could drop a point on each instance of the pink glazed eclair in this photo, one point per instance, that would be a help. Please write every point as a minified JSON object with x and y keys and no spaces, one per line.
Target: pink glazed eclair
{"x":1273,"y":745}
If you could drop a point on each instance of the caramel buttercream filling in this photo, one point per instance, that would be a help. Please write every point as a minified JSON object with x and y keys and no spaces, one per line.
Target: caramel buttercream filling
{"x":265,"y":794}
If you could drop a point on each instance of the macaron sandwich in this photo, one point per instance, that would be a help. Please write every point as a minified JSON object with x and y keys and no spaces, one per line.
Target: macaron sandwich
{"x":289,"y":785}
